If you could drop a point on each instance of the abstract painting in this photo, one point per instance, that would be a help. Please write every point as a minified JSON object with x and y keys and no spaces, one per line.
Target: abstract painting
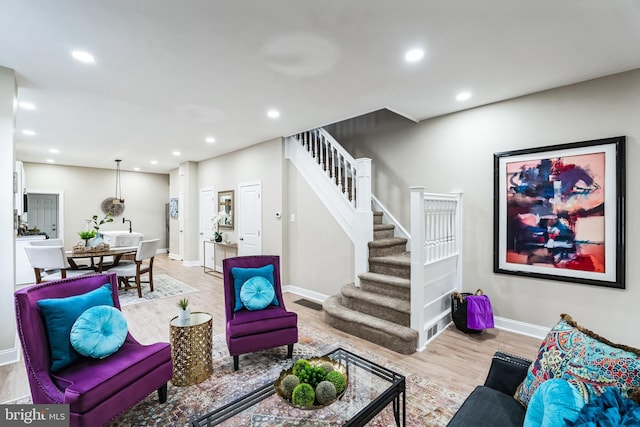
{"x":559,"y":212}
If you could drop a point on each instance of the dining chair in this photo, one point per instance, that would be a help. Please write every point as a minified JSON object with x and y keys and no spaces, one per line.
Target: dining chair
{"x":125,"y":271}
{"x":46,"y":242}
{"x":50,"y":263}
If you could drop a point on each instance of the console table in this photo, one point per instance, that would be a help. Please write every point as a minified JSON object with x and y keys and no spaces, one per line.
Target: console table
{"x":225,"y":246}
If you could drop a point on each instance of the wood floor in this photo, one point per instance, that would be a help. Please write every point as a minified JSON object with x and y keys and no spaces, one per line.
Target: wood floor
{"x":453,"y":358}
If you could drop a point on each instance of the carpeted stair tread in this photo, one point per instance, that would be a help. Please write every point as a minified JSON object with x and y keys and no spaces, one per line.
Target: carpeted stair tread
{"x":402,"y":259}
{"x":386,"y":279}
{"x":391,"y":241}
{"x":382,"y":301}
{"x":378,"y":227}
{"x":387,"y":334}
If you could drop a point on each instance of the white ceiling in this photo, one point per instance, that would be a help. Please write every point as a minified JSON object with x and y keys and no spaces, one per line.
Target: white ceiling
{"x":169,"y":73}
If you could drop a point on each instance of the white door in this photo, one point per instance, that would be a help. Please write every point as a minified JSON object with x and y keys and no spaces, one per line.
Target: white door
{"x":249,"y":216}
{"x":43,"y":213}
{"x":181,"y":225}
{"x":207,"y":212}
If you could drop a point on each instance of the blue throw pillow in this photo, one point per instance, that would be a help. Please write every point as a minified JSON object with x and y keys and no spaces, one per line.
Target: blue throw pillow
{"x":611,"y":408}
{"x":59,"y":316}
{"x":99,"y":331}
{"x":241,"y":275}
{"x":257,"y":293}
{"x":556,"y":402}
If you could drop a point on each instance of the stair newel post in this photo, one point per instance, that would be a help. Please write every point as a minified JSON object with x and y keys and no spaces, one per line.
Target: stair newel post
{"x":363,"y":218}
{"x":418,"y":229}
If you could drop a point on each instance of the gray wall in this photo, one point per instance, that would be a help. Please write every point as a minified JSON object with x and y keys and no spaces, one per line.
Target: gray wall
{"x":84,"y":189}
{"x":320,"y":254}
{"x":262,"y":162}
{"x":455,"y":153}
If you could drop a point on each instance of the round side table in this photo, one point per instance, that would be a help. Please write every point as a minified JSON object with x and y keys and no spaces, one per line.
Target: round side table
{"x":191,"y":349}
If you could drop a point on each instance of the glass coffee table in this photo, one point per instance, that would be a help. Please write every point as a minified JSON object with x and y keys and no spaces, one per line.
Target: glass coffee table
{"x":370,"y":389}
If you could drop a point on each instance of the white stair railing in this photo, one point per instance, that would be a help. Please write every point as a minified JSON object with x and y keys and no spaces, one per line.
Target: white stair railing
{"x":341,"y":182}
{"x":435,"y":260}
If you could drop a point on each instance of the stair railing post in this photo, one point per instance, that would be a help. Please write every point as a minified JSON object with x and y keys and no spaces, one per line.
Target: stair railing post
{"x":418,"y":228}
{"x":363,"y":218}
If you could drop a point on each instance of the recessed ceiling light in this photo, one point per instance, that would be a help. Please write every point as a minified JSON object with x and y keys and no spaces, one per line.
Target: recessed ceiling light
{"x":50,"y":161}
{"x":54,"y":150}
{"x":210,"y":140}
{"x":273,"y":114}
{"x":154,"y":162}
{"x":137,"y":169}
{"x":414,"y":55}
{"x":27,"y":105}
{"x":29,"y":132}
{"x":463,"y":96}
{"x":81,"y":56}
{"x":176,"y":153}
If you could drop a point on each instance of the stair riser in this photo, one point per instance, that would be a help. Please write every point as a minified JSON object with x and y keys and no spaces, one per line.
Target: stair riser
{"x":394,"y":249}
{"x":373,"y":335}
{"x":382,"y":234}
{"x":390,"y":269}
{"x":384,"y":313}
{"x":377,"y":219}
{"x":386,"y":290}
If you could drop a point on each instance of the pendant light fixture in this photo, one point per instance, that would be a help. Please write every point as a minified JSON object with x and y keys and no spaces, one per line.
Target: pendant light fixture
{"x":118,"y":200}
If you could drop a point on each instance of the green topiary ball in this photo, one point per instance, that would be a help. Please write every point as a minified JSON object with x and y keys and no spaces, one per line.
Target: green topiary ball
{"x":337,"y":379}
{"x":287,"y":385}
{"x":325,"y":392}
{"x":303,"y":395}
{"x":300,"y":365}
{"x":327,"y":367}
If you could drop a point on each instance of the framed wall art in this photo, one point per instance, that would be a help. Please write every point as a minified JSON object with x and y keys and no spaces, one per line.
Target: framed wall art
{"x":173,"y":207}
{"x":559,"y":212}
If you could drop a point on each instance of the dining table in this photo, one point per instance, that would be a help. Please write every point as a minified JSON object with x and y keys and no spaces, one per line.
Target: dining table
{"x":96,"y":259}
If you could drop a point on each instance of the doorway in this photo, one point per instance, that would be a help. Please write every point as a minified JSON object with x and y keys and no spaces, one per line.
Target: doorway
{"x":207,"y":212}
{"x":43,"y":212}
{"x":249,"y":214}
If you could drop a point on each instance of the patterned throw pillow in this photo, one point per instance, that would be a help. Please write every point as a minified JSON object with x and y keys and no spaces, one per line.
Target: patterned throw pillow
{"x":590,"y":362}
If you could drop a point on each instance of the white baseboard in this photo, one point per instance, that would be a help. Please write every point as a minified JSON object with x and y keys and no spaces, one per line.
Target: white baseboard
{"x":10,"y":355}
{"x":521,"y":328}
{"x":174,"y":256}
{"x":195,"y":263}
{"x":305,"y":293}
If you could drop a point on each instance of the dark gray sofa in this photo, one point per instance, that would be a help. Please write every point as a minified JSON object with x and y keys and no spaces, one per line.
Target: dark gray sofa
{"x":493,"y":404}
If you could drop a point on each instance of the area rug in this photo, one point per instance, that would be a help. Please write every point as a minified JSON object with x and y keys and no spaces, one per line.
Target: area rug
{"x":163,"y":286}
{"x":428,"y":403}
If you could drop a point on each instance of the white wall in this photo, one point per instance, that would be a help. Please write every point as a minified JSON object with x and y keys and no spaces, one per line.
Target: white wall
{"x":84,"y":190}
{"x":455,"y":153}
{"x":8,"y":351}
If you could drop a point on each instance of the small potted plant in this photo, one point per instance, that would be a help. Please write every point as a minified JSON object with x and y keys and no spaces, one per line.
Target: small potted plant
{"x":87,"y":235}
{"x":184,"y":314}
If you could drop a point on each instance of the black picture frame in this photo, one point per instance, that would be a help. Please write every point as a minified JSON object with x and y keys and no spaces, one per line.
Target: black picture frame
{"x":559,"y":212}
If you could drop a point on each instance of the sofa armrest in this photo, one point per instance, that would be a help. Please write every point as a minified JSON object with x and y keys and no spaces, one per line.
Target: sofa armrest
{"x":507,"y":372}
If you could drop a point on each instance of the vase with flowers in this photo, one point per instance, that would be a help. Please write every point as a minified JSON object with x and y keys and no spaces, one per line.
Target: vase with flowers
{"x":217,"y":235}
{"x":91,"y":233}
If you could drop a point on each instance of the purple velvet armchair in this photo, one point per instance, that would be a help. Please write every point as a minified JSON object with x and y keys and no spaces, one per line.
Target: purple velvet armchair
{"x":96,"y":390}
{"x":250,"y":331}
